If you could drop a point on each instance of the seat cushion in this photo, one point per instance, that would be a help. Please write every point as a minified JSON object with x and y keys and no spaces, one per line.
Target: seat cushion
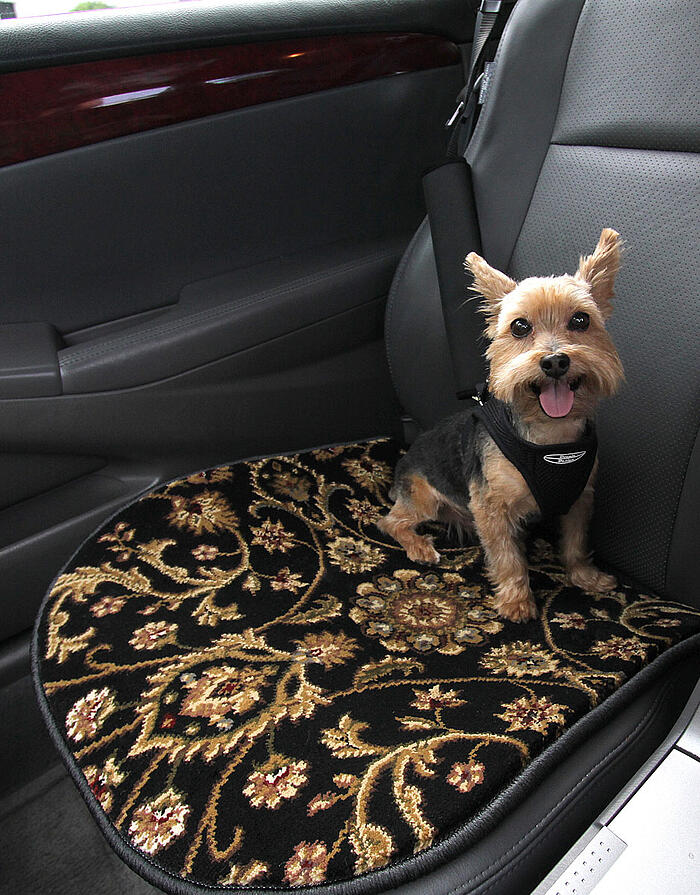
{"x":252,"y":685}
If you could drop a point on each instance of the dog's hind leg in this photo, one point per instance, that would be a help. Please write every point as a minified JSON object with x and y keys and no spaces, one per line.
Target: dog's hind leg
{"x":417,"y":501}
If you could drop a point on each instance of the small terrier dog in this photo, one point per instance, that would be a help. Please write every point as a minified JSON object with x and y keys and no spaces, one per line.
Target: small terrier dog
{"x":551,"y":360}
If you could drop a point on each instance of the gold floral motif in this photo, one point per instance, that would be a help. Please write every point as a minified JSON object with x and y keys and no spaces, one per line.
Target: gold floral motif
{"x":211,"y":476}
{"x":520,"y":659}
{"x":205,"y":552}
{"x":436,"y":698}
{"x":533,"y":713}
{"x":89,"y":713}
{"x":285,"y":579}
{"x":244,"y":672}
{"x":409,"y":800}
{"x":154,"y":635}
{"x":158,"y":822}
{"x":570,"y":620}
{"x":373,"y":846}
{"x":307,"y":865}
{"x":321,"y":802}
{"x":119,"y":541}
{"x":345,"y":781}
{"x":244,"y":875}
{"x":304,"y":702}
{"x":208,"y":511}
{"x":276,"y":781}
{"x":374,"y":475}
{"x":465,"y":775}
{"x":252,"y":584}
{"x":626,"y":648}
{"x":326,"y":648}
{"x":329,"y":453}
{"x":107,"y":606}
{"x":354,"y":556}
{"x":225,"y":690}
{"x":423,"y":612}
{"x":344,"y":740}
{"x":364,"y":512}
{"x":272,"y":536}
{"x":290,"y":483}
{"x":102,"y":781}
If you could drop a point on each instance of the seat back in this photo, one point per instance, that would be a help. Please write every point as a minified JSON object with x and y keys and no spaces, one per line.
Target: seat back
{"x":593,"y":120}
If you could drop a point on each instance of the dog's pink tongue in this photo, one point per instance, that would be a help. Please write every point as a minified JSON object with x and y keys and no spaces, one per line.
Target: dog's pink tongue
{"x":556,"y":398}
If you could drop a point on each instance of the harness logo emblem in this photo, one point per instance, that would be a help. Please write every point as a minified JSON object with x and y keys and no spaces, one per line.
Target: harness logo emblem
{"x":561,"y":459}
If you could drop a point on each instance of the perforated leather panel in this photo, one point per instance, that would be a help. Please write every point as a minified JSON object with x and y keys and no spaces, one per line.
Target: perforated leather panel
{"x":628,"y":80}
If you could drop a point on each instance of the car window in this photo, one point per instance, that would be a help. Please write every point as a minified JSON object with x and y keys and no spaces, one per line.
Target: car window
{"x":22,"y":9}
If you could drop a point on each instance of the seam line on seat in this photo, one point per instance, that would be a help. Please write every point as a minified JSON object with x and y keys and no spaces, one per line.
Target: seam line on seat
{"x":667,"y":557}
{"x":551,"y":134}
{"x":691,"y":152}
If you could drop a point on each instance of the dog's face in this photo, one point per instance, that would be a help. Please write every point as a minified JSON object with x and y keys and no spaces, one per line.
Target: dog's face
{"x":550,"y":355}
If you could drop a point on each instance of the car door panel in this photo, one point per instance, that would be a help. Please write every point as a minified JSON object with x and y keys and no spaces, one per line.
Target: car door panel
{"x":62,"y":107}
{"x":36,"y":43}
{"x":204,"y":264}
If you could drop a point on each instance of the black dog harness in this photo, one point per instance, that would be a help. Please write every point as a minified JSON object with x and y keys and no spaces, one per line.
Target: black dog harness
{"x":555,"y":473}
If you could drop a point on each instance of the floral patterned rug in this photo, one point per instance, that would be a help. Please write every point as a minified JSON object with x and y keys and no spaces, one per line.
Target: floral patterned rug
{"x":255,"y":687}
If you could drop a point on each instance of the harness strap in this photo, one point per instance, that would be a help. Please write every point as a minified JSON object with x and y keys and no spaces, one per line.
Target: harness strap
{"x":556,"y":474}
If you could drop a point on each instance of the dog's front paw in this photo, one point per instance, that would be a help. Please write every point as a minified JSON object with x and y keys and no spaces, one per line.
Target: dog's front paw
{"x":421,"y":550}
{"x":515,"y":603}
{"x":591,"y":580}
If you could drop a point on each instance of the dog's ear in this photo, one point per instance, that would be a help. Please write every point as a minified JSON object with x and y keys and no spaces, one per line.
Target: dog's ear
{"x":599,"y":270}
{"x":490,"y":283}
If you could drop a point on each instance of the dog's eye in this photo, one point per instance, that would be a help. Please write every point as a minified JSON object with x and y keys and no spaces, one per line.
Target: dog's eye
{"x":579,"y":321}
{"x":521,"y":328}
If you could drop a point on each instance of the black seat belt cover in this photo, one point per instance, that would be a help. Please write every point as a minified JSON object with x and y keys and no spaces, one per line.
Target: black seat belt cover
{"x":449,"y":199}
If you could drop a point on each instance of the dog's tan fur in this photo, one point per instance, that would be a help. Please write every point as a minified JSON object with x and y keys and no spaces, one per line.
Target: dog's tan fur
{"x":424,"y":503}
{"x":500,"y":500}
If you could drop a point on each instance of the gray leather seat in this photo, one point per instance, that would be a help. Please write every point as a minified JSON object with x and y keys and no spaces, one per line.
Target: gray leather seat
{"x":592,"y":120}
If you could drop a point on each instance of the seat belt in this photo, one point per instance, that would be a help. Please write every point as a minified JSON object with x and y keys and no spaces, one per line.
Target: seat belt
{"x":454,"y":227}
{"x":462,"y":119}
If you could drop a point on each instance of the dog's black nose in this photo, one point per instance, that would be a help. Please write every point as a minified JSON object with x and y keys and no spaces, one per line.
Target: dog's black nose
{"x":555,"y":365}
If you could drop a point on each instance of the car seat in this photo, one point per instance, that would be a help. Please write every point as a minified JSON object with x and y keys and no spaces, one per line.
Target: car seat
{"x":592,"y":119}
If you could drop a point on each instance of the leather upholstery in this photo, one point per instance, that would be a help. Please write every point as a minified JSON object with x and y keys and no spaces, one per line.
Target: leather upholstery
{"x":618,"y":43}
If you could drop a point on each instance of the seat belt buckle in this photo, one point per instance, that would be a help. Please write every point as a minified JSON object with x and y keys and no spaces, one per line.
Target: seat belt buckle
{"x":490,"y":6}
{"x":463,"y":100}
{"x":455,"y":115}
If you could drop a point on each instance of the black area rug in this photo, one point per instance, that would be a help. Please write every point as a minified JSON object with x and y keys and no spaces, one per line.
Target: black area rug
{"x":254,"y":687}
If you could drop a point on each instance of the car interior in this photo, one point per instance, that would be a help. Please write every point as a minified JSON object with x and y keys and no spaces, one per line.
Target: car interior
{"x":221,"y":324}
